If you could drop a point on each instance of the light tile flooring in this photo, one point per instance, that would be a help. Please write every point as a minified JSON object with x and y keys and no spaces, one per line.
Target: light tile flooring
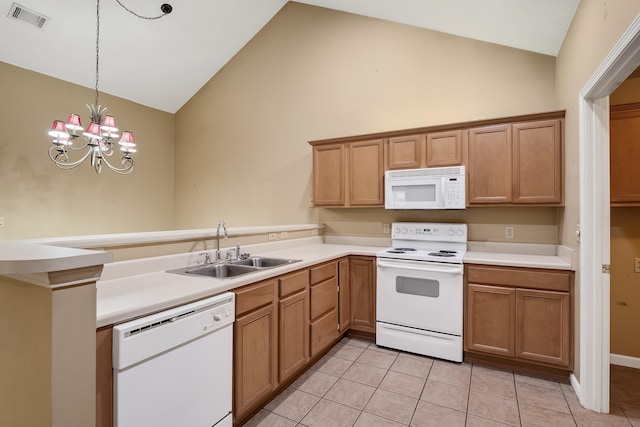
{"x":359,"y":384}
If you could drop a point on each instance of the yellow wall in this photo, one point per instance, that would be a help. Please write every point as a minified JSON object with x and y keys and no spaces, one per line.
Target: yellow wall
{"x":39,"y":200}
{"x":313,"y":73}
{"x":625,"y":247}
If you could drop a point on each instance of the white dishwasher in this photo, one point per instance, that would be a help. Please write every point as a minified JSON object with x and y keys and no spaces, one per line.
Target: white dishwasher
{"x":174,"y":368}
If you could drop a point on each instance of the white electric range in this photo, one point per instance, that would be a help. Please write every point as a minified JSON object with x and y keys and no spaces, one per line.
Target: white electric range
{"x":419,"y":297}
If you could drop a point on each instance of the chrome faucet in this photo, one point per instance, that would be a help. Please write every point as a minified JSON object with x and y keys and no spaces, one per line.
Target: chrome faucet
{"x":207,"y":258}
{"x":224,"y":228}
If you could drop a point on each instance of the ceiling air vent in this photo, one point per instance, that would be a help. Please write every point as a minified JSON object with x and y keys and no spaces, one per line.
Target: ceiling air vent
{"x":21,"y":13}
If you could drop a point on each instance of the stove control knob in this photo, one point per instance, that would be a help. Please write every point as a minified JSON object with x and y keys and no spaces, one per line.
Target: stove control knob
{"x":396,"y":230}
{"x":460,"y":232}
{"x":404,"y":230}
{"x":451,"y":232}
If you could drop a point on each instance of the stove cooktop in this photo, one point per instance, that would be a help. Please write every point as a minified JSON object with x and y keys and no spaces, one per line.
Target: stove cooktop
{"x":435,"y":242}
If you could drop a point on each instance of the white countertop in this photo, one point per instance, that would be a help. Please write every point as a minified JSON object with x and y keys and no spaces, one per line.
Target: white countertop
{"x":128,"y":293}
{"x":24,"y":258}
{"x":516,"y":260}
{"x":124,"y":298}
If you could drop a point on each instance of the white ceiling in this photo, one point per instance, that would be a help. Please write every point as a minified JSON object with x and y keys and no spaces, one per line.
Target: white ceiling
{"x":163,"y":63}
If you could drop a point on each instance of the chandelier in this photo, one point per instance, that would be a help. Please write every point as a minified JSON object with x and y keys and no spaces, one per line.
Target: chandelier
{"x":98,"y":141}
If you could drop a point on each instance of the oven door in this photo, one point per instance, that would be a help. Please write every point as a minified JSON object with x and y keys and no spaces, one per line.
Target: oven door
{"x":420,"y":294}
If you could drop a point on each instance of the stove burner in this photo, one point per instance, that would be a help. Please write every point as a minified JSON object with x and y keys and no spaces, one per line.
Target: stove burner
{"x":443,"y":253}
{"x":394,"y":251}
{"x":404,"y":249}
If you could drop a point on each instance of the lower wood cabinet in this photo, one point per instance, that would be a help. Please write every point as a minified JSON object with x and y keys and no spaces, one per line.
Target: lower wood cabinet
{"x":344,"y":295}
{"x":324,"y":306}
{"x":255,"y":367}
{"x":362,"y":282}
{"x":293,"y":322}
{"x":519,"y":314}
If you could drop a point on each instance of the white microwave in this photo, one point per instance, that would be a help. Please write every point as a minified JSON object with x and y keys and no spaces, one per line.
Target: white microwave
{"x":428,"y":188}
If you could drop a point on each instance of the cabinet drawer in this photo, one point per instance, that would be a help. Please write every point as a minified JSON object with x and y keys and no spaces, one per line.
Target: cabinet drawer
{"x":255,"y":296}
{"x":323,"y":272}
{"x":324,"y":297}
{"x":293,"y":283}
{"x":323,"y":332}
{"x":553,"y":280}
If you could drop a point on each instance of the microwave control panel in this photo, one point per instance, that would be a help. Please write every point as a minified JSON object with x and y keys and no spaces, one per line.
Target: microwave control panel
{"x":454,"y":192}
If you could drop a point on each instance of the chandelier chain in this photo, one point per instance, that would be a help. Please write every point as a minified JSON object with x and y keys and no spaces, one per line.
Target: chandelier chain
{"x":97,"y":47}
{"x":139,"y":16}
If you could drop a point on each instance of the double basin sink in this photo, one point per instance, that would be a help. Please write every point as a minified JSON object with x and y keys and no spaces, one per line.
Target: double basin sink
{"x":227,"y":270}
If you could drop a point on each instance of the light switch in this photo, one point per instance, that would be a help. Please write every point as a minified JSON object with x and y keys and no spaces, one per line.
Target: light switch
{"x":509,"y":232}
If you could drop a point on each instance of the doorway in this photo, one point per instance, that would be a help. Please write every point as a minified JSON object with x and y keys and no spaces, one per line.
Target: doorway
{"x":624,"y":58}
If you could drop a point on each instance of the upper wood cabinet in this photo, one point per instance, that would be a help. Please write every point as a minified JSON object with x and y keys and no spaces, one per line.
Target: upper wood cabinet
{"x":444,"y":148}
{"x":625,"y":154}
{"x":366,"y":172}
{"x":511,"y":161}
{"x":434,"y":149}
{"x":328,"y":175}
{"x":490,"y":161}
{"x":518,"y":163}
{"x":537,"y":162}
{"x":405,"y":152}
{"x":349,"y":174}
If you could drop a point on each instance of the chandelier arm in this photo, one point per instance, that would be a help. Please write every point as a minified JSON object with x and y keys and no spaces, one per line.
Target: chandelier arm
{"x":65,"y":165}
{"x":127,"y":165}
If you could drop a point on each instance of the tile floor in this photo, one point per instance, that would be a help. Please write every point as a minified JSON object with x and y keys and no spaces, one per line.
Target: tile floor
{"x":359,"y":384}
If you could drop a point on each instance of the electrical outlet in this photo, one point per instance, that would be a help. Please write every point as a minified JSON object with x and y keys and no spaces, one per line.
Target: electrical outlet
{"x":273,"y":236}
{"x":314,"y":232}
{"x":284,"y":234}
{"x":509,"y":232}
{"x":310,"y":201}
{"x":385,"y":228}
{"x":1,"y":222}
{"x":636,"y":266}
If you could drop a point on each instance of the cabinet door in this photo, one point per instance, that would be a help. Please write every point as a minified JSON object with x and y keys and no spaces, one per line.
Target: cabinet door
{"x":489,"y":165}
{"x":543,"y":329}
{"x":444,"y":148}
{"x":344,"y":300}
{"x":328,"y":175}
{"x":366,"y":172}
{"x":255,"y":358}
{"x":625,"y":154}
{"x":537,"y":162}
{"x":405,"y":152}
{"x":324,"y":332}
{"x":294,"y":334}
{"x":490,"y":321}
{"x":362,"y":280}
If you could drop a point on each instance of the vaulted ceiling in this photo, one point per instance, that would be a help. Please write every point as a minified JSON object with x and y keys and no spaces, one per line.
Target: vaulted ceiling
{"x":162,"y":63}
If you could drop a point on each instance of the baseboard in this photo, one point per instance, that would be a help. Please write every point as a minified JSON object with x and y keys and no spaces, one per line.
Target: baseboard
{"x":576,"y":385}
{"x":622,"y":360}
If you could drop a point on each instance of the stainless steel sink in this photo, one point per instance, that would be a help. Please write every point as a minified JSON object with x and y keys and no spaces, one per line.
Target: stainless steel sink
{"x":226,"y":270}
{"x":265,"y":262}
{"x":219,"y":271}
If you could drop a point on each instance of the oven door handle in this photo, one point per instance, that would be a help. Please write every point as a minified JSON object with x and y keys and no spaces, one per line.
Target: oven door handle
{"x":414,"y":267}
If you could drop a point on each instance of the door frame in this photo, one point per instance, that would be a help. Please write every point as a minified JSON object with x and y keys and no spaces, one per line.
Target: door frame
{"x":624,"y":58}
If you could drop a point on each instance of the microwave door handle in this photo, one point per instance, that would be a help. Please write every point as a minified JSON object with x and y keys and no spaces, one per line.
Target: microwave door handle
{"x":434,"y":269}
